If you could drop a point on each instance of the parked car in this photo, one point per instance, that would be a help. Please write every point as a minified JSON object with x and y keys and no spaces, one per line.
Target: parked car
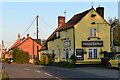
{"x":114,"y":61}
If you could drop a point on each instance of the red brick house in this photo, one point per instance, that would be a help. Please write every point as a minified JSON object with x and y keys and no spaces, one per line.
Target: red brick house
{"x":29,"y":45}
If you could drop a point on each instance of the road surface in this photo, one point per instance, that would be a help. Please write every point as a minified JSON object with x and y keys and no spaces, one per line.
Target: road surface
{"x":17,"y":71}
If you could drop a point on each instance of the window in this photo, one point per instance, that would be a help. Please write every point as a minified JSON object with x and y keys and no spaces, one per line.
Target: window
{"x":63,"y":54}
{"x":92,"y":53}
{"x":93,"y":32}
{"x":64,"y":34}
{"x":56,"y":54}
{"x":57,"y":34}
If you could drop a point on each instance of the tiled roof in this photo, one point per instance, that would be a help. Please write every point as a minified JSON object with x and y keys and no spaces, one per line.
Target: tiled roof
{"x":43,"y":48}
{"x":52,"y":36}
{"x":74,"y":20}
{"x":15,"y":44}
{"x":20,"y":41}
{"x":38,"y":41}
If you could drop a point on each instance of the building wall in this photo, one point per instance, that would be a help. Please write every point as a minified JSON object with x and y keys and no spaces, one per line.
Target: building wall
{"x":82,"y":33}
{"x":58,"y":47}
{"x":30,"y":46}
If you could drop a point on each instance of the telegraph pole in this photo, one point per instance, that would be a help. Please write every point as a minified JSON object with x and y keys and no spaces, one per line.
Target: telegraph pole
{"x":37,"y":34}
{"x":37,"y":26}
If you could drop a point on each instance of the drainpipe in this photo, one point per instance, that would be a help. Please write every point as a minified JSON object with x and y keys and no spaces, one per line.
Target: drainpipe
{"x":111,"y":30}
{"x":74,"y":40}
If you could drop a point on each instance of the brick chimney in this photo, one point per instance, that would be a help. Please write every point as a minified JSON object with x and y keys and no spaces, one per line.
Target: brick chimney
{"x":100,"y":11}
{"x":61,"y":20}
{"x":28,"y":35}
{"x":19,"y":36}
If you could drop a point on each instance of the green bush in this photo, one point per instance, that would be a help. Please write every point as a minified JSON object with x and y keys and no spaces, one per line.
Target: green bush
{"x":37,"y":62}
{"x":48,"y":59}
{"x":73,"y":58}
{"x":42,"y":60}
{"x":20,"y":56}
{"x":15,"y":50}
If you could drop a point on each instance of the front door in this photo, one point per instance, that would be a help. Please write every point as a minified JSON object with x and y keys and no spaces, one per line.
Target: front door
{"x":80,"y":54}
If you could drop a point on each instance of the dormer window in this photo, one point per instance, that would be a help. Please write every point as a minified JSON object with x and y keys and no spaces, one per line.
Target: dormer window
{"x":57,"y":34}
{"x":93,"y":32}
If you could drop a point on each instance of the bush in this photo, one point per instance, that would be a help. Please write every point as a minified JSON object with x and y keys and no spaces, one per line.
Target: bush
{"x":48,"y":59}
{"x":73,"y":58}
{"x":42,"y":60}
{"x":45,"y":59}
{"x":20,"y":56}
{"x":37,"y":62}
{"x":15,"y":50}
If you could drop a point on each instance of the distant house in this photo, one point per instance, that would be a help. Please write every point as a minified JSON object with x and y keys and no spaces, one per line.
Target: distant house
{"x":87,"y":35}
{"x":29,"y":45}
{"x":43,"y":50}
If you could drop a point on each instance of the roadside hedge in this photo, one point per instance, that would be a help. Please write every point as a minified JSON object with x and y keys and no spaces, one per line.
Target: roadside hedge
{"x":20,"y":56}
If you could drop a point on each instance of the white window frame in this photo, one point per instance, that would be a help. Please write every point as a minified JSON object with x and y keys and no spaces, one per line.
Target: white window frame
{"x":93,"y":32}
{"x":56,"y":54}
{"x":57,"y":34}
{"x":92,"y":53}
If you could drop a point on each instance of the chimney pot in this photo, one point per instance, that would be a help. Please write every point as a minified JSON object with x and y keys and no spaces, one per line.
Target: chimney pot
{"x":23,"y":38}
{"x":19,"y":36}
{"x":61,"y":20}
{"x":28,"y":35}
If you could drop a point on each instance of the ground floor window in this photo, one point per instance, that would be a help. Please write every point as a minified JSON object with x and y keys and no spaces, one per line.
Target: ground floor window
{"x":63,"y":54}
{"x":66,"y":53}
{"x":56,"y":54}
{"x":92,"y":53}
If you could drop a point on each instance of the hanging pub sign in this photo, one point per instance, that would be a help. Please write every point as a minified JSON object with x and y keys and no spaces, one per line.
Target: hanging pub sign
{"x":92,"y":43}
{"x":66,"y":43}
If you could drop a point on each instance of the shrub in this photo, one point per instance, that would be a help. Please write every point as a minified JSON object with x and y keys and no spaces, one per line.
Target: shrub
{"x":42,"y":60}
{"x":15,"y":50}
{"x":45,"y":59}
{"x":37,"y":62}
{"x":20,"y":56}
{"x":48,"y":59}
{"x":73,"y":58}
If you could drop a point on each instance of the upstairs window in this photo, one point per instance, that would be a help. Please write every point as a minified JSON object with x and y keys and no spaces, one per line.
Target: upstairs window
{"x":93,"y":32}
{"x":57,"y":34}
{"x":64,"y":34}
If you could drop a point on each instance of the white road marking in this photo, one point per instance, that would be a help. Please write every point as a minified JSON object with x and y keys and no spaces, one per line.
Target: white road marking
{"x":27,"y":69}
{"x":37,"y":71}
{"x":58,"y":78}
{"x":48,"y":74}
